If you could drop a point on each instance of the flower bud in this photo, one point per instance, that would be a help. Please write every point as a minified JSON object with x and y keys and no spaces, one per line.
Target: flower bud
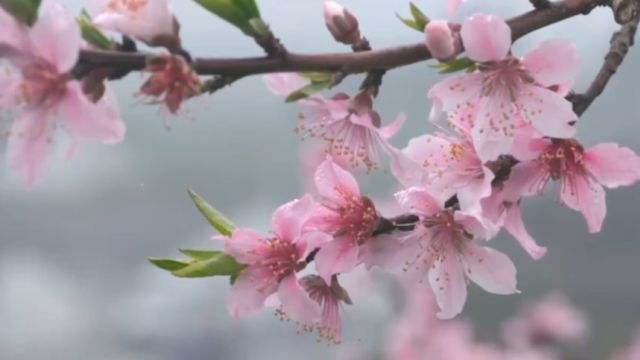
{"x":440,"y":40}
{"x":341,"y":23}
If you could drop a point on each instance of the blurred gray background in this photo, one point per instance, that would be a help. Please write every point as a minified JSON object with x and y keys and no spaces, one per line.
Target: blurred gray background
{"x":74,"y":282}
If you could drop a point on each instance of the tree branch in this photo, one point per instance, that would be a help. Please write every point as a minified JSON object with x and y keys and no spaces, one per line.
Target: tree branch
{"x":620,"y":43}
{"x":358,"y":62}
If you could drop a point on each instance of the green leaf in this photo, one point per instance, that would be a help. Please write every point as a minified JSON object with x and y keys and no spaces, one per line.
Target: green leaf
{"x":169,"y":264}
{"x":26,"y":11}
{"x":420,"y":19}
{"x":91,"y":33}
{"x":215,"y":217}
{"x":313,"y":88}
{"x":236,"y":12}
{"x":410,"y":23}
{"x":317,"y":76}
{"x":199,"y":254}
{"x":218,"y":264}
{"x":260,"y":28}
{"x":459,"y":64}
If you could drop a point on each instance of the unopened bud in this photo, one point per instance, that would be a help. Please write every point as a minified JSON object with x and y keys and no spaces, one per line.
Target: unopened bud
{"x":441,"y":40}
{"x":341,"y":23}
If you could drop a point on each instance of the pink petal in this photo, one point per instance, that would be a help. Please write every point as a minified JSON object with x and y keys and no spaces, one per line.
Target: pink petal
{"x":419,"y":201}
{"x":336,"y":257}
{"x":249,"y":292}
{"x":553,"y":62}
{"x":449,"y":286}
{"x":469,"y":196}
{"x":454,"y":92}
{"x":494,"y":114}
{"x":514,"y":225}
{"x":9,"y":89}
{"x":390,"y":130}
{"x":313,"y":240}
{"x":56,"y":37}
{"x":152,"y":19}
{"x":30,"y":144}
{"x":390,"y":252}
{"x":287,"y":221}
{"x":549,"y":112}
{"x":612,"y":165}
{"x":284,"y":84}
{"x":244,"y":244}
{"x":490,"y":269}
{"x":526,"y":179}
{"x":585,"y":195}
{"x":296,"y":302}
{"x":86,"y":120}
{"x":323,"y":219}
{"x":528,"y":144}
{"x":407,"y":172}
{"x":334,"y":183}
{"x":475,"y":225}
{"x":486,"y":37}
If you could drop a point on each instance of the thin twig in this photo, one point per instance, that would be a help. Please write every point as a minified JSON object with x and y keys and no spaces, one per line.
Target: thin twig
{"x":350,"y":62}
{"x":620,"y":43}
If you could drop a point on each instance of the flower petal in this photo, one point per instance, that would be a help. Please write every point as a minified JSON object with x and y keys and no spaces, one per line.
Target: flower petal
{"x":612,"y":165}
{"x":336,"y":257}
{"x":549,"y":112}
{"x":449,"y":286}
{"x":86,"y":120}
{"x":419,"y":201}
{"x":30,"y":144}
{"x":244,"y":245}
{"x":56,"y":37}
{"x":453,"y":93}
{"x":490,"y":269}
{"x":585,"y":195}
{"x":453,"y":6}
{"x":553,"y":62}
{"x":390,"y":130}
{"x":296,"y":303}
{"x":288,"y":220}
{"x":514,"y":225}
{"x":486,"y":37}
{"x":284,"y":84}
{"x":492,"y":132}
{"x":249,"y":292}
{"x":334,"y":183}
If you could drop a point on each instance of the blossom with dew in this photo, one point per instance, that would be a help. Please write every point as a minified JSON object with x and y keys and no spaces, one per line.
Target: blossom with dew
{"x":46,"y":96}
{"x":505,"y":92}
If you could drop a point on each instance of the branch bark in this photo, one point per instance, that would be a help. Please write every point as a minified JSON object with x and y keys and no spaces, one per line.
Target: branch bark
{"x":359,"y":62}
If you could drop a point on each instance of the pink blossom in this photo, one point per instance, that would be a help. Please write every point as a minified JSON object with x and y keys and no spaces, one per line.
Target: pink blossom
{"x":273,"y":261}
{"x":342,"y":24}
{"x":440,"y":40}
{"x":328,"y":298}
{"x":447,"y":165}
{"x":442,"y":245}
{"x":46,"y":96}
{"x":172,"y":77}
{"x":507,"y":93}
{"x":151,"y":21}
{"x":582,"y":173}
{"x":553,"y":320}
{"x":630,"y":353}
{"x":453,"y":6}
{"x":346,"y":214}
{"x":13,"y":38}
{"x":350,"y":126}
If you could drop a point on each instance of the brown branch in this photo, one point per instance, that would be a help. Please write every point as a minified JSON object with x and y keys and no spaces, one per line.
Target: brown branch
{"x":620,"y":43}
{"x":540,"y":4}
{"x":349,"y":62}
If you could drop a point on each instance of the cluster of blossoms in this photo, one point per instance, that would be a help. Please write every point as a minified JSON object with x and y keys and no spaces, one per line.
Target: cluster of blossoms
{"x":507,"y":113}
{"x":43,"y":92}
{"x":509,"y":131}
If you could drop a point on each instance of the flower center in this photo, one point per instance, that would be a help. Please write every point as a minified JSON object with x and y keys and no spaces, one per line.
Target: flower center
{"x":564,"y":156}
{"x":42,"y":85}
{"x":282,"y":258}
{"x":358,"y":218}
{"x":506,"y":75}
{"x":446,"y":231}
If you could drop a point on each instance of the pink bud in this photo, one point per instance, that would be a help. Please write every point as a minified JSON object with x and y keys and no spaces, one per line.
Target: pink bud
{"x":440,"y":40}
{"x":341,"y":23}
